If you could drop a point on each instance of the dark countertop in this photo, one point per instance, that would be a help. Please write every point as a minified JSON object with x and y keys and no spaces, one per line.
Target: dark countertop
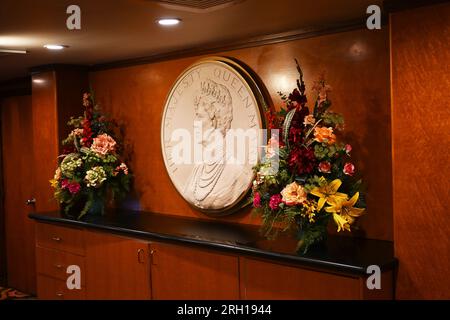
{"x":341,"y":253}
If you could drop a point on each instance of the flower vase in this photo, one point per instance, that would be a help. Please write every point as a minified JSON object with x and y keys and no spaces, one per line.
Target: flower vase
{"x":98,"y":207}
{"x":311,"y":236}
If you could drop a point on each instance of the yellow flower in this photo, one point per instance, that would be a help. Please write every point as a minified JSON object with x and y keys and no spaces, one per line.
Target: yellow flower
{"x":328,"y":192}
{"x":54,"y":183}
{"x":341,"y":222}
{"x":344,"y":212}
{"x":309,"y":210}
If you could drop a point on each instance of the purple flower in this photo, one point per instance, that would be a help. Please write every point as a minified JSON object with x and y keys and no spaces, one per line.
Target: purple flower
{"x":275,"y":201}
{"x":257,"y":200}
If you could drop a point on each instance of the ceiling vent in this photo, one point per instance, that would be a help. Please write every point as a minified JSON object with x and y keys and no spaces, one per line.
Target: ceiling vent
{"x":197,"y":5}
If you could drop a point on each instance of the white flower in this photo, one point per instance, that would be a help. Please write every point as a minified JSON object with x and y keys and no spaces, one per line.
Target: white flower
{"x":95,"y":177}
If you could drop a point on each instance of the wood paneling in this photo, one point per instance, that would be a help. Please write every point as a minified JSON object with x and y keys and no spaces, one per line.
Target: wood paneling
{"x":116,"y":267}
{"x":269,"y":281}
{"x":45,"y":138}
{"x":17,"y":141}
{"x":2,"y":214}
{"x":185,"y":273}
{"x":420,"y":115}
{"x":357,"y":65}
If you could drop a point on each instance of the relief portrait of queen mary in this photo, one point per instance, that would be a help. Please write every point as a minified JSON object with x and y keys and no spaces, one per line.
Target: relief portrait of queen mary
{"x":215,"y":183}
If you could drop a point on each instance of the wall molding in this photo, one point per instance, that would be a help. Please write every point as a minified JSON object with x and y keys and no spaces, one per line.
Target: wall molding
{"x":390,"y":6}
{"x":15,"y":87}
{"x":215,"y":47}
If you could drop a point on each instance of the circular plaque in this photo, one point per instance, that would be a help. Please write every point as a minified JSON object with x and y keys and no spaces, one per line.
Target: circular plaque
{"x":211,"y":134}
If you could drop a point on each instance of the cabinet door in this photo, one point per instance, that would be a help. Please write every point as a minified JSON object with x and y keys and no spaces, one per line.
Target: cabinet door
{"x":265,"y":280}
{"x":180,"y":272}
{"x":116,"y":267}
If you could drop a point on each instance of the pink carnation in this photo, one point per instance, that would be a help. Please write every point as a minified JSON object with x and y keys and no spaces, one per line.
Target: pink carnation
{"x":103,"y":144}
{"x":74,"y":187}
{"x":257,"y":200}
{"x":275,"y":201}
{"x":65,"y":184}
{"x":349,"y":169}
{"x":325,"y":167}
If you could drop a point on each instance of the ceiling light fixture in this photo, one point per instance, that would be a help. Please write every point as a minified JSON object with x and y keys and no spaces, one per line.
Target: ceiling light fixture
{"x":169,"y":21}
{"x":54,"y":46}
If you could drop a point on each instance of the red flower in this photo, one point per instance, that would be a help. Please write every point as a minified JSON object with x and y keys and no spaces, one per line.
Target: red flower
{"x":74,"y":187}
{"x":274,"y":202}
{"x":65,"y":184}
{"x":325,"y":167}
{"x":297,"y":97}
{"x":271,"y":120}
{"x":257,"y":200}
{"x":349,"y":169}
{"x":295,"y":135}
{"x":302,"y":160}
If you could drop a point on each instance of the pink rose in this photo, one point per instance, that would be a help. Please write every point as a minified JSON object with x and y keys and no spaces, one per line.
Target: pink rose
{"x":103,"y":144}
{"x":348,"y":148}
{"x":257,"y":200}
{"x":325,"y":167}
{"x":74,"y":187}
{"x":275,"y":201}
{"x":349,"y":169}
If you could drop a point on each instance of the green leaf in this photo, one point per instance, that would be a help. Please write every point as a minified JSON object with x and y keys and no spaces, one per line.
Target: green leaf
{"x":287,"y":125}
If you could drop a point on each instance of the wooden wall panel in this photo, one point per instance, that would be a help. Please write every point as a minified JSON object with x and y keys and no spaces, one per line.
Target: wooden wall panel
{"x":420,"y":115}
{"x":2,"y":214}
{"x":17,"y":136}
{"x":357,"y":64}
{"x":45,"y":138}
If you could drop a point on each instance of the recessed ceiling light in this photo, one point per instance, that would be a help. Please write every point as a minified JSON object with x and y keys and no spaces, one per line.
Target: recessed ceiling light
{"x":169,"y":21}
{"x":54,"y":46}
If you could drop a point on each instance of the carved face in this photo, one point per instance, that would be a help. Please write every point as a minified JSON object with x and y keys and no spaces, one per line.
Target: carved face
{"x":205,"y":114}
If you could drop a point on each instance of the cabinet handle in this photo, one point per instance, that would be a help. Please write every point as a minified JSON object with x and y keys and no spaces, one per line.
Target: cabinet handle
{"x":59,"y":294}
{"x":140,"y":255}
{"x":59,"y":266}
{"x":30,"y":202}
{"x":57,"y":239}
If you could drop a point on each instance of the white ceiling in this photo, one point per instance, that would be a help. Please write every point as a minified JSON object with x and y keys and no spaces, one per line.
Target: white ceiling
{"x":123,"y":29}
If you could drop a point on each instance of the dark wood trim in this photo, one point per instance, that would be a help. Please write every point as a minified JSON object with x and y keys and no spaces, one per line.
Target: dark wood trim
{"x":215,"y":47}
{"x":2,"y":214}
{"x":400,"y":5}
{"x":15,"y":87}
{"x":57,"y":67}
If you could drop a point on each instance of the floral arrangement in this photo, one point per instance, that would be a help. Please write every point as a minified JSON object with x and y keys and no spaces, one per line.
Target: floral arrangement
{"x":306,"y":178}
{"x":90,"y":170}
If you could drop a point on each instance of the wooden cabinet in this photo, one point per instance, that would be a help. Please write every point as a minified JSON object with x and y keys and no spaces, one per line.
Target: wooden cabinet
{"x":57,"y":248}
{"x":180,"y":272}
{"x":117,"y":267}
{"x":112,"y":267}
{"x":265,"y":280}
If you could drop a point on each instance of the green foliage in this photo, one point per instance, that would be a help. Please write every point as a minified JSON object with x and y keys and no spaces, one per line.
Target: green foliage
{"x":332,"y":119}
{"x":311,"y":234}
